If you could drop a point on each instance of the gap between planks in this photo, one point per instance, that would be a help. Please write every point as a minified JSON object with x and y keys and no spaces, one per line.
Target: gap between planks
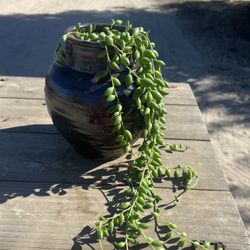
{"x":108,"y":185}
{"x":42,"y":99}
{"x":57,"y":133}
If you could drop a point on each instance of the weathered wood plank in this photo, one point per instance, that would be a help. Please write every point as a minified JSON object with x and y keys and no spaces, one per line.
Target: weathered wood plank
{"x":35,"y":216}
{"x":44,"y":157}
{"x":49,"y":193}
{"x":180,"y":94}
{"x":22,"y":115}
{"x":33,"y":88}
{"x":22,"y":87}
{"x":185,"y":122}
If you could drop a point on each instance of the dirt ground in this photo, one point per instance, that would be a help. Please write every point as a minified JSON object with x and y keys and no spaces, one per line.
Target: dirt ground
{"x":205,"y":43}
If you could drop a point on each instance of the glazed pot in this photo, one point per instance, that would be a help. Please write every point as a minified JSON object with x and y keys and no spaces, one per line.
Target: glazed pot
{"x":77,"y":105}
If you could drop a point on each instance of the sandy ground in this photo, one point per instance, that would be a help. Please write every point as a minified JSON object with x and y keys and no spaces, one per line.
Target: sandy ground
{"x":205,"y":43}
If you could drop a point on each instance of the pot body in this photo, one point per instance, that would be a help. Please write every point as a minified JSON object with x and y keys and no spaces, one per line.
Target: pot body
{"x":78,"y":107}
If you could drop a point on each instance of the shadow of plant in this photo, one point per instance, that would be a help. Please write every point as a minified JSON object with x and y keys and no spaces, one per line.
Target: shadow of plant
{"x":115,"y":196}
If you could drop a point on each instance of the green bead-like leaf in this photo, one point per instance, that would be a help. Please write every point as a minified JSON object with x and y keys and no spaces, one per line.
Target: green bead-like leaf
{"x":168,"y":172}
{"x":126,"y":149}
{"x":110,"y":98}
{"x":138,"y":103}
{"x":155,"y":106}
{"x":157,"y":243}
{"x":119,"y":138}
{"x":116,"y":81}
{"x":168,"y":236}
{"x":123,"y":44}
{"x":176,"y":173}
{"x":163,"y":91}
{"x":155,"y":52}
{"x":189,"y":174}
{"x":138,"y":40}
{"x":105,"y":232}
{"x":147,"y":111}
{"x":207,"y":244}
{"x":150,"y":76}
{"x":183,"y":234}
{"x":128,"y":25}
{"x":137,"y":93}
{"x":102,"y":37}
{"x":139,"y":207}
{"x":148,"y":205}
{"x":149,"y":53}
{"x":99,"y":233}
{"x":132,"y":241}
{"x":117,"y":128}
{"x":120,"y":244}
{"x":144,"y":225}
{"x":160,"y":63}
{"x":157,"y":96}
{"x":121,"y":219}
{"x":180,"y":243}
{"x":132,"y":225}
{"x":125,"y":60}
{"x":160,"y":82}
{"x":155,"y":214}
{"x":155,"y":173}
{"x":118,"y":22}
{"x":123,"y":143}
{"x":128,"y":49}
{"x":111,"y":226}
{"x":77,"y":26}
{"x":90,"y":28}
{"x":141,"y":200}
{"x":94,"y":36}
{"x":172,"y":226}
{"x":117,"y":120}
{"x":149,"y":97}
{"x":196,"y":244}
{"x":128,"y":80}
{"x":144,"y":60}
{"x":147,"y":82}
{"x":112,"y":109}
{"x":116,"y":114}
{"x":158,"y":74}
{"x":125,"y":205}
{"x":114,"y":66}
{"x":128,"y":135}
{"x":109,"y":40}
{"x":119,"y":107}
{"x":116,"y":58}
{"x":136,"y":31}
{"x":136,"y":55}
{"x":64,"y":38}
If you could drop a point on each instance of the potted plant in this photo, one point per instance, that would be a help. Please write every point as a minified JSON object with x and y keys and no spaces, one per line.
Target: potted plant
{"x":105,"y":90}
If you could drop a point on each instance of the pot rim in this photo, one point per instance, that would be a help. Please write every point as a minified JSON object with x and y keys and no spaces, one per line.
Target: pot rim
{"x":88,"y":43}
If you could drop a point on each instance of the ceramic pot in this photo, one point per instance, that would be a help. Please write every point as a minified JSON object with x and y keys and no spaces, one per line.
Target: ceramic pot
{"x":77,"y":105}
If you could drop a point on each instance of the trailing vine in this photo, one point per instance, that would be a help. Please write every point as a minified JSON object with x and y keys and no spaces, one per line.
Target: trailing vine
{"x":130,"y":50}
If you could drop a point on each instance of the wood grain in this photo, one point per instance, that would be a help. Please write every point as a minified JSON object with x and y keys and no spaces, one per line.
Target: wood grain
{"x":33,"y":88}
{"x":35,"y":217}
{"x":49,"y":158}
{"x":31,"y":116}
{"x":50,"y":197}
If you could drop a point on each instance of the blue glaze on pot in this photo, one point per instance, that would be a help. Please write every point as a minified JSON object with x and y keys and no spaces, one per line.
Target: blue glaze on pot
{"x":79,"y":111}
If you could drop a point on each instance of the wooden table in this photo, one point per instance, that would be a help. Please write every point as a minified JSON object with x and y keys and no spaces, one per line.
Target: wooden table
{"x":50,"y":196}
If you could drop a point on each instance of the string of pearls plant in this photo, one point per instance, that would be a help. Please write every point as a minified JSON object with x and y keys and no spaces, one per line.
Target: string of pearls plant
{"x":130,"y":50}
